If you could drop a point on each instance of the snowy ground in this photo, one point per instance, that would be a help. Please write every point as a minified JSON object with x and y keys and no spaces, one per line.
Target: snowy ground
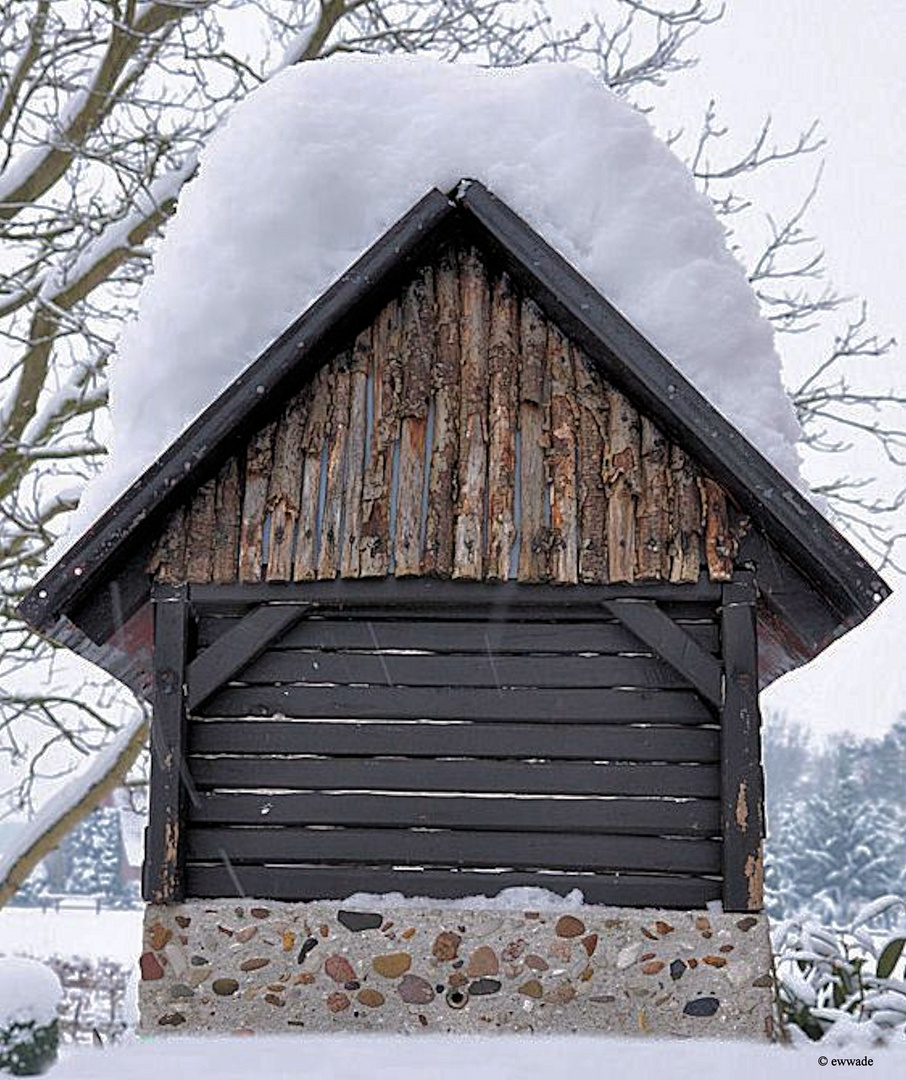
{"x":345,"y":1057}
{"x":116,"y":935}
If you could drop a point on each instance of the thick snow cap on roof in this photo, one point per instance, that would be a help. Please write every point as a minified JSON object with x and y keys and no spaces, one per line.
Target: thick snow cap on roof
{"x":315,"y":165}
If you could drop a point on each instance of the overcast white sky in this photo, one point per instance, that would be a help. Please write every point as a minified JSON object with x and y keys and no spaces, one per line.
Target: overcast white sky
{"x":840,"y":62}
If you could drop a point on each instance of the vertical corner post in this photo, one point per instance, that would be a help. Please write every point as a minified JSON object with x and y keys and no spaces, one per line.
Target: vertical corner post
{"x":163,"y":880}
{"x":742,"y":784}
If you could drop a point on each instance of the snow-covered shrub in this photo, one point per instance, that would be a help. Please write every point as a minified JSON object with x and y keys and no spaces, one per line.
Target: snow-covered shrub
{"x":29,"y":1035}
{"x":843,"y":983}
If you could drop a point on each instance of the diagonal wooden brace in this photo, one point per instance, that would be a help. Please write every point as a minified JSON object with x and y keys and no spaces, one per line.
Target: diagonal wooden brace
{"x":658,"y":631}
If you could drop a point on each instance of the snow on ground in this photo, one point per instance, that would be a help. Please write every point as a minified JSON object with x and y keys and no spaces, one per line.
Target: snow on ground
{"x":344,"y":147}
{"x":430,"y":1057}
{"x":116,"y":935}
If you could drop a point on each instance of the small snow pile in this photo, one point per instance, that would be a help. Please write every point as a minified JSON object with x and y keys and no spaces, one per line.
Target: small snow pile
{"x":517,"y":898}
{"x":29,"y":995}
{"x":315,"y":165}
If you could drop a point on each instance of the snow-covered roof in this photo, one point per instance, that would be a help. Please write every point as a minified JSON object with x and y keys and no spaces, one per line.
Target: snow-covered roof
{"x":586,"y":208}
{"x":314,"y":166}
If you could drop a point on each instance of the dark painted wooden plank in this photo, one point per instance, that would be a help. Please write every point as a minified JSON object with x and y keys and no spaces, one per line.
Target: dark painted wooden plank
{"x":636,"y":816}
{"x":618,"y":706}
{"x":249,"y":637}
{"x":587,"y":742}
{"x":661,"y":633}
{"x":381,"y":670}
{"x":791,"y":596}
{"x":419,"y":775}
{"x":321,"y":883}
{"x":741,"y":776}
{"x":561,"y":851}
{"x":163,"y":881}
{"x":317,"y":632}
{"x":433,"y":591}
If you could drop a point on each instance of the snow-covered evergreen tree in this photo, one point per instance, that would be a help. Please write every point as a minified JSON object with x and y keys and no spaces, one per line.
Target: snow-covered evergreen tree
{"x":92,"y":854}
{"x":835,"y":851}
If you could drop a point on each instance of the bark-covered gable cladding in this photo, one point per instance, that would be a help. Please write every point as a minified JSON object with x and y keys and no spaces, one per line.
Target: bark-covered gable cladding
{"x":460,"y":488}
{"x":462,"y":435}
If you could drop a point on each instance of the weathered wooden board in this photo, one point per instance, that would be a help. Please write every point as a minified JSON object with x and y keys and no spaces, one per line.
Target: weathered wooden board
{"x":418,"y":351}
{"x":227,"y":512}
{"x":314,"y":436}
{"x":562,"y":851}
{"x":318,"y":883}
{"x":165,"y":839}
{"x":634,"y":817}
{"x":546,"y":640}
{"x":259,"y":457}
{"x":503,"y":374}
{"x":534,"y":391}
{"x":564,"y":559}
{"x":374,"y":559}
{"x":445,"y":388}
{"x":284,"y":490}
{"x":505,"y":777}
{"x":582,"y":742}
{"x":742,"y":782}
{"x":469,"y":561}
{"x":585,"y":706}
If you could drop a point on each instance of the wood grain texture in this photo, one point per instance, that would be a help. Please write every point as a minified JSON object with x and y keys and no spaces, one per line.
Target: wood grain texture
{"x":168,"y":561}
{"x":622,"y":482}
{"x":201,"y":533}
{"x":259,"y":457}
{"x":284,"y":492}
{"x":356,"y":450}
{"x":445,"y":388}
{"x":561,"y":461}
{"x":314,"y":435}
{"x":685,"y":538}
{"x":503,"y":378}
{"x":377,"y":484}
{"x":469,"y":562}
{"x":228,"y":514}
{"x":592,"y":407}
{"x":719,"y":544}
{"x":418,"y":358}
{"x":653,"y":504}
{"x":338,"y":430}
{"x":534,"y":391}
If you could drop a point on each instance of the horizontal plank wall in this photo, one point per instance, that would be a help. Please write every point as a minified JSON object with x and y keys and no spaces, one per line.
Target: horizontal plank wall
{"x":385,"y":736}
{"x":461,"y":435}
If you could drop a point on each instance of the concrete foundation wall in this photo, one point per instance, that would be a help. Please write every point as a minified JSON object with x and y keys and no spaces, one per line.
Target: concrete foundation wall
{"x":227,"y":966}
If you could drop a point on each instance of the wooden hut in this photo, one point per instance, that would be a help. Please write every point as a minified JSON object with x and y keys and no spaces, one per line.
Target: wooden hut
{"x":460,"y":585}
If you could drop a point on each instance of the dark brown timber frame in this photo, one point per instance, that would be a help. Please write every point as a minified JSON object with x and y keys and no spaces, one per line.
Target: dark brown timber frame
{"x":587,"y":739}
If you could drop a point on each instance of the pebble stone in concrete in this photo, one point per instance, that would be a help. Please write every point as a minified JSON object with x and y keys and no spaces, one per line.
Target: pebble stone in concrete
{"x":219,"y":966}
